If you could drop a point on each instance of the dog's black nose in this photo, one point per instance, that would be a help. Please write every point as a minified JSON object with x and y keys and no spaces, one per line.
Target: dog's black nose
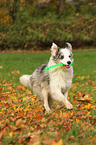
{"x":68,"y":62}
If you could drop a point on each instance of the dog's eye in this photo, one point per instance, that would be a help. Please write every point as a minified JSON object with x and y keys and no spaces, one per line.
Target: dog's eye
{"x":69,"y":55}
{"x":62,"y":56}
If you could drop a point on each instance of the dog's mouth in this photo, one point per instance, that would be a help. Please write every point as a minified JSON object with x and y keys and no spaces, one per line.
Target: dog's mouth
{"x":67,"y":66}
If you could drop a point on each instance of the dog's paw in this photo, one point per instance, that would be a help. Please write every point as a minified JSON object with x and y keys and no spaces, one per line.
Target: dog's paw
{"x":48,"y":112}
{"x":69,"y":105}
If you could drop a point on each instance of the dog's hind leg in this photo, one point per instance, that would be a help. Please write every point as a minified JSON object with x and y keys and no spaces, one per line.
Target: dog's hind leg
{"x":45,"y":99}
{"x":50,"y":101}
{"x":59,"y":106}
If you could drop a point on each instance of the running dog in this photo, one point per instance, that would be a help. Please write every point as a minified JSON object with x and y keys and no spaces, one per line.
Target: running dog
{"x":55,"y":83}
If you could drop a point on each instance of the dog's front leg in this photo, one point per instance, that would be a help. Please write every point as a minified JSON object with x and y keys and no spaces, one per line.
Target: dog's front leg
{"x":61,"y":98}
{"x":66,"y":94}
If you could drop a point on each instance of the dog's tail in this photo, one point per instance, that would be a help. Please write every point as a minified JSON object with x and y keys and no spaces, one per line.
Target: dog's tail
{"x":25,"y":80}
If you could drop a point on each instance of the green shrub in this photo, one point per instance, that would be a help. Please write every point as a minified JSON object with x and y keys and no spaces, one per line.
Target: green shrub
{"x":36,"y":27}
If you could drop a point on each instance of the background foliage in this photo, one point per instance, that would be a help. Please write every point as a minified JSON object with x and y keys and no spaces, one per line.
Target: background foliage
{"x":36,"y":24}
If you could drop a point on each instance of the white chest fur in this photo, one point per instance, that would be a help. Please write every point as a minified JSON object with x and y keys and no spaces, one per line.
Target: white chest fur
{"x":61,"y":77}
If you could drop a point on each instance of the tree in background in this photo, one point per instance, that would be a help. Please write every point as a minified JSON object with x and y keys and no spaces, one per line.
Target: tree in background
{"x":33,"y":23}
{"x":4,"y":12}
{"x":13,"y":9}
{"x":9,"y":9}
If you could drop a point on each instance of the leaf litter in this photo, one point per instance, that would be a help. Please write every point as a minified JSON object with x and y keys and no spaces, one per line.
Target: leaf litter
{"x":23,"y":121}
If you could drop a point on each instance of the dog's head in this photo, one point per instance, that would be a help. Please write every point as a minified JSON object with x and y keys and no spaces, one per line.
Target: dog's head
{"x":62,"y":55}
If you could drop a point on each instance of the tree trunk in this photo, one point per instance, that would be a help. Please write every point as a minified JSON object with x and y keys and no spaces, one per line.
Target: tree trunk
{"x":13,"y":9}
{"x":61,"y":3}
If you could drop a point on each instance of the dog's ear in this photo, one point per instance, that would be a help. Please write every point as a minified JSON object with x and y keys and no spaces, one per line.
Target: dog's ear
{"x":54,"y":49}
{"x":69,"y":46}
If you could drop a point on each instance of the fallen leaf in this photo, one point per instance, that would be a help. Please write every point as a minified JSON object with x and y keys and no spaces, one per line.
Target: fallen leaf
{"x":88,"y":106}
{"x":1,"y":67}
{"x":60,"y":142}
{"x":24,"y":99}
{"x":20,"y":88}
{"x":11,"y":133}
{"x":77,"y":121}
{"x":0,"y":89}
{"x":1,"y":135}
{"x":18,"y":122}
{"x":81,"y":135}
{"x":92,"y":121}
{"x":37,"y":143}
{"x":86,"y":98}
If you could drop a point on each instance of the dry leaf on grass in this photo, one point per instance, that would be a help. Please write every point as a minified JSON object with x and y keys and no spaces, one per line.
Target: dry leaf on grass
{"x":86,"y":98}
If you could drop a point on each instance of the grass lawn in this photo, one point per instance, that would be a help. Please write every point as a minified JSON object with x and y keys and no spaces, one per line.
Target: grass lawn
{"x":22,"y":120}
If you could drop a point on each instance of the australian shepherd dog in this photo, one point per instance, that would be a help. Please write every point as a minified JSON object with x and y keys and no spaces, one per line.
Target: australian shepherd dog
{"x":55,"y":83}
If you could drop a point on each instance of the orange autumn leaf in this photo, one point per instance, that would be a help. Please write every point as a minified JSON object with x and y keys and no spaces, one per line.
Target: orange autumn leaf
{"x":77,"y":121}
{"x":86,"y":98}
{"x":60,"y":142}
